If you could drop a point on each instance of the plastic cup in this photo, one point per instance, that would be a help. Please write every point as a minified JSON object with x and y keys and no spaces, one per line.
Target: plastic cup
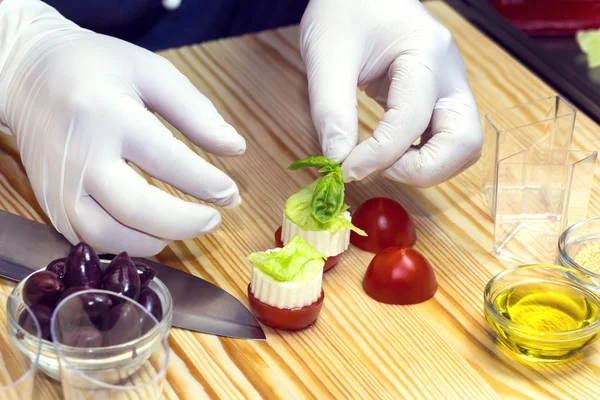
{"x":109,"y":346}
{"x":542,"y":124}
{"x":535,"y":184}
{"x":19,"y":353}
{"x":538,"y":195}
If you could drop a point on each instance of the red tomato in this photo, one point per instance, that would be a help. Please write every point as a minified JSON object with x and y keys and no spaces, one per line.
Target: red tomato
{"x":286,"y":319}
{"x":386,"y":223}
{"x":330,"y":262}
{"x":278,"y":241}
{"x":400,"y":276}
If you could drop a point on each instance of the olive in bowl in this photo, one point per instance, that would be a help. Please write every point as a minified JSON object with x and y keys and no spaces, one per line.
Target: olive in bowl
{"x":43,"y":290}
{"x":44,"y":287}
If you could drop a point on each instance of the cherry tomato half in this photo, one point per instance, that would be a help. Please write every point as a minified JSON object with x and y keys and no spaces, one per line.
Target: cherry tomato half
{"x":400,"y":276}
{"x":386,"y":223}
{"x":330,"y":262}
{"x":278,"y":241}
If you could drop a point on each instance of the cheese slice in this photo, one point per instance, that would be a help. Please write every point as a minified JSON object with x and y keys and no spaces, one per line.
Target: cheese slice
{"x":285,"y":294}
{"x":329,"y":244}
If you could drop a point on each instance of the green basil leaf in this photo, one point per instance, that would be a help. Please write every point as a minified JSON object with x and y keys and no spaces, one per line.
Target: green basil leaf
{"x":298,"y":209}
{"x":319,"y":161}
{"x":329,"y":169}
{"x":328,"y":197}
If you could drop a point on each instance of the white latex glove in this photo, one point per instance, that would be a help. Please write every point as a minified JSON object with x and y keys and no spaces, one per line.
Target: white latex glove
{"x":412,"y":68}
{"x":76,"y":102}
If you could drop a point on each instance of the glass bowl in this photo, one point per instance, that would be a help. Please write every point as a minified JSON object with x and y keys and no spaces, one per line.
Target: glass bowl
{"x":48,"y":360}
{"x":579,"y":248}
{"x":539,"y":314}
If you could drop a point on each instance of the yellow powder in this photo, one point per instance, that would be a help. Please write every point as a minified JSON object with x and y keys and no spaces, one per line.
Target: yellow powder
{"x":589,"y":258}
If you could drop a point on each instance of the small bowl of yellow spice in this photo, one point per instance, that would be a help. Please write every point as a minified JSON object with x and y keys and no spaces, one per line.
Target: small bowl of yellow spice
{"x":579,"y":248}
{"x":542,"y":312}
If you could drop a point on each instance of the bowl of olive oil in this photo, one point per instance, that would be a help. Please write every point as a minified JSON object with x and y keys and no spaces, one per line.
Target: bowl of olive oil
{"x":539,"y":314}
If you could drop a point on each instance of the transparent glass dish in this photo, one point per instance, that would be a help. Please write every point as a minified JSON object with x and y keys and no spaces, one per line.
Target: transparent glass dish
{"x":580,"y":239}
{"x":540,"y":314}
{"x":48,"y":360}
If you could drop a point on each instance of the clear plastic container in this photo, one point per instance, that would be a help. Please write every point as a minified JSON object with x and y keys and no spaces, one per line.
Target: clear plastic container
{"x":20,"y":349}
{"x":534,"y":183}
{"x":539,"y":194}
{"x":119,"y":354}
{"x":543,"y":124}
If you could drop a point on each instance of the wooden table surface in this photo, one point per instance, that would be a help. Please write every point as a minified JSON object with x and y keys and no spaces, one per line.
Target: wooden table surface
{"x":359,"y":349}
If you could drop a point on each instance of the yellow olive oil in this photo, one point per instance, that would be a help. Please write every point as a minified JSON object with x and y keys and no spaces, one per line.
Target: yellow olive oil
{"x":547,"y":319}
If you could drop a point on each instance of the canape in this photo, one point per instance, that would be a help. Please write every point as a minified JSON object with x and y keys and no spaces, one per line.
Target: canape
{"x":317,"y":212}
{"x":285,"y":290}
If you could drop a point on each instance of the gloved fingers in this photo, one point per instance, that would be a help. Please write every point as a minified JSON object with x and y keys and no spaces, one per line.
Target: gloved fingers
{"x":455,"y":146}
{"x":132,"y":201}
{"x":411,"y":98}
{"x":106,"y":235}
{"x":154,"y":149}
{"x":332,"y":72}
{"x":170,"y":93}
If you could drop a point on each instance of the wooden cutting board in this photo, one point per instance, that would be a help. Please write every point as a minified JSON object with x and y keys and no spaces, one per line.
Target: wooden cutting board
{"x":359,"y":349}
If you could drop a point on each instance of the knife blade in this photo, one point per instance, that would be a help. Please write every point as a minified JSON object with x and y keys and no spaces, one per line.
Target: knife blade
{"x":198,"y":305}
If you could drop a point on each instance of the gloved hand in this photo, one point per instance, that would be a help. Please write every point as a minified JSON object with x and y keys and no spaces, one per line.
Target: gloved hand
{"x":411,"y":66}
{"x":76,"y":102}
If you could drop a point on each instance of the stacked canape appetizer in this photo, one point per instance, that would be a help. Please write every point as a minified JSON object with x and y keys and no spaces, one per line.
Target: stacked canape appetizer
{"x":317,"y":212}
{"x":286,"y":288}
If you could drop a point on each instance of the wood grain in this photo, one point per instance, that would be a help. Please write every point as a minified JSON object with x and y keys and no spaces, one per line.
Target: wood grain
{"x":359,"y":349}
